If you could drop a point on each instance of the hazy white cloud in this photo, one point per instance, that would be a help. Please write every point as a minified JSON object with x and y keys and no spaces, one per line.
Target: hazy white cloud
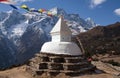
{"x":20,"y":1}
{"x":117,"y":11}
{"x":94,"y":3}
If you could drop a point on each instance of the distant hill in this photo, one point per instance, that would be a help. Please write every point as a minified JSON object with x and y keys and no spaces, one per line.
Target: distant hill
{"x":102,"y":39}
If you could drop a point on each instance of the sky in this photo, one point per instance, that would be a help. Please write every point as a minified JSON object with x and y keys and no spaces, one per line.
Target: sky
{"x":103,"y":12}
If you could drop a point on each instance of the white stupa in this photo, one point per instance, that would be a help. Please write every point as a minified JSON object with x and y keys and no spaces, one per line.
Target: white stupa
{"x":61,"y":41}
{"x":60,"y":55}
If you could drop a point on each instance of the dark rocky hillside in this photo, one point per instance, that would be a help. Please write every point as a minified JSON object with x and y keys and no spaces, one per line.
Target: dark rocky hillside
{"x":5,"y":52}
{"x":102,"y":39}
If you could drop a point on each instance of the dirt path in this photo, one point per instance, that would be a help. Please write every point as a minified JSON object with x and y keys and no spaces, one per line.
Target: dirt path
{"x":97,"y":76}
{"x":18,"y":72}
{"x":115,"y":58}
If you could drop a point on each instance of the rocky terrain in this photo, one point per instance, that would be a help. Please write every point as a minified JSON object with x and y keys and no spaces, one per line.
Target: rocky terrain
{"x":101,"y":40}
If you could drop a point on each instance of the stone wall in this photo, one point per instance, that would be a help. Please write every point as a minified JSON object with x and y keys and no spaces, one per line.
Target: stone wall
{"x":54,"y":64}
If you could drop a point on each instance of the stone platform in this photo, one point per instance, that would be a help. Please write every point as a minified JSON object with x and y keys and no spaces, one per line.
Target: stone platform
{"x":55,"y":64}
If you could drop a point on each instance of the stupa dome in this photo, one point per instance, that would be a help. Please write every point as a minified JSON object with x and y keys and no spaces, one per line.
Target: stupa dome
{"x":61,"y":41}
{"x":66,"y":48}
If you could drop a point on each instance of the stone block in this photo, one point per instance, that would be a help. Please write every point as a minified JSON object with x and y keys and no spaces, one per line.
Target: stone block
{"x":43,"y":66}
{"x":44,"y":59}
{"x":55,"y":66}
{"x":57,"y":60}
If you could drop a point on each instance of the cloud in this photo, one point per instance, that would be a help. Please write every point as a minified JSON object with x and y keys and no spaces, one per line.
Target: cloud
{"x":94,"y":3}
{"x":117,"y":11}
{"x":20,"y":1}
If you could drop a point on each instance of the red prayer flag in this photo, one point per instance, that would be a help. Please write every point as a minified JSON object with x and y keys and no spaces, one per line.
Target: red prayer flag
{"x":3,"y":0}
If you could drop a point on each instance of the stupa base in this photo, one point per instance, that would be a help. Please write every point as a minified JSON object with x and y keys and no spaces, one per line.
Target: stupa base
{"x":55,"y":64}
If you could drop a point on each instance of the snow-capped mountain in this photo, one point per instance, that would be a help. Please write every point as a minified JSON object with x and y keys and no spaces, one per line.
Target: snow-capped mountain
{"x":90,"y":22}
{"x":23,"y":34}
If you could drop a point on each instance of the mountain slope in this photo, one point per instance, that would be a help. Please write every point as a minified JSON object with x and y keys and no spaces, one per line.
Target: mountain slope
{"x":30,"y":43}
{"x":102,"y":39}
{"x":5,"y":52}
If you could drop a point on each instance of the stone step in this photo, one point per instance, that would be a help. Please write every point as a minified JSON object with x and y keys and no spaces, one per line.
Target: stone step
{"x":63,"y":66}
{"x":74,"y":58}
{"x":66,"y":59}
{"x":69,"y":71}
{"x":77,"y":57}
{"x":55,"y":66}
{"x":79,"y":63}
{"x":58,"y":55}
{"x":80,"y":71}
{"x":60,"y":59}
{"x":57,"y":59}
{"x":75,"y":67}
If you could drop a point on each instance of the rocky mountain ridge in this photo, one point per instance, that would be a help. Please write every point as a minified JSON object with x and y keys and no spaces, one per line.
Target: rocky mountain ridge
{"x":102,"y":40}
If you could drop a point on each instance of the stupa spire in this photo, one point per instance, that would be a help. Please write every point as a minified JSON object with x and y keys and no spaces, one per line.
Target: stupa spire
{"x":61,"y":31}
